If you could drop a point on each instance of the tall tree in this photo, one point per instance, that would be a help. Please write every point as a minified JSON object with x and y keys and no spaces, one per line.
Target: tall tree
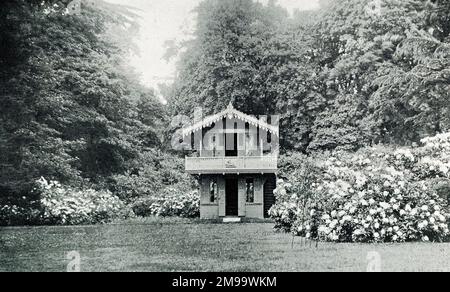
{"x":223,"y":63}
{"x":68,"y":100}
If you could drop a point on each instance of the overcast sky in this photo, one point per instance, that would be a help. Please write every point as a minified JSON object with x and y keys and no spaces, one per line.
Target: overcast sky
{"x":164,"y":20}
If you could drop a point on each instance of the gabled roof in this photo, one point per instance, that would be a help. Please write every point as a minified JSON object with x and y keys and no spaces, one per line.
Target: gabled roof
{"x":230,"y":113}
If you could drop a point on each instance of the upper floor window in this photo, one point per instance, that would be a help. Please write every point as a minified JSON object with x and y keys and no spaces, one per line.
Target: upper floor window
{"x":213,"y":191}
{"x":250,"y":187}
{"x":214,"y":145}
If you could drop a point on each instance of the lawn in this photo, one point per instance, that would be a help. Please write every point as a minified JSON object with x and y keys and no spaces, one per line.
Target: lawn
{"x":194,"y":246}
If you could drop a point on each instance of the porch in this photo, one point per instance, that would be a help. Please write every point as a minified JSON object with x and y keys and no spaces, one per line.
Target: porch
{"x":225,"y":165}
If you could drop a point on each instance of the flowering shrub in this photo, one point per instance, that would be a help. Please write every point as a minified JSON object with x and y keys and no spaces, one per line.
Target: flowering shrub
{"x":11,"y":214}
{"x":375,"y":195}
{"x":434,"y":160}
{"x":65,"y":205}
{"x":172,"y":202}
{"x":16,"y":210}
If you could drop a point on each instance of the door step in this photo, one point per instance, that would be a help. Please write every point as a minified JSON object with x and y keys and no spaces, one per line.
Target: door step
{"x":231,"y":220}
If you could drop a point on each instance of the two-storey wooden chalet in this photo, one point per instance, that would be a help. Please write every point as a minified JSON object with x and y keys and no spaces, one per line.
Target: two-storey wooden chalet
{"x":236,"y":159}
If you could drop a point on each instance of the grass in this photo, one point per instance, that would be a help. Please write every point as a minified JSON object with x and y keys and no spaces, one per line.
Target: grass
{"x":183,"y":245}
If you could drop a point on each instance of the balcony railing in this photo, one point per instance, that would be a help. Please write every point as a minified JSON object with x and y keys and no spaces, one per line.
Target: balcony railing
{"x":247,"y":164}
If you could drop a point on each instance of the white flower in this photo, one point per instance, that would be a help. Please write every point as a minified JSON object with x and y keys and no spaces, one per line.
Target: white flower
{"x":371,"y":201}
{"x":322,"y":229}
{"x":342,"y":213}
{"x":377,"y":225}
{"x":358,"y":232}
{"x":425,"y":238}
{"x":432,"y":220}
{"x":425,"y":208}
{"x":385,"y":205}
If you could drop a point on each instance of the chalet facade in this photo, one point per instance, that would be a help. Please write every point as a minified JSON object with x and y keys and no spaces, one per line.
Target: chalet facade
{"x":236,"y":158}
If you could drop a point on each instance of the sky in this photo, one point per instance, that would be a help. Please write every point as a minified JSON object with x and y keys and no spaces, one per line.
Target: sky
{"x":165,"y":20}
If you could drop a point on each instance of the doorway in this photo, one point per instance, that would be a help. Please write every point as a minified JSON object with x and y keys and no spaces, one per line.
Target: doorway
{"x":269,"y":198}
{"x":231,"y":143}
{"x":231,"y":197}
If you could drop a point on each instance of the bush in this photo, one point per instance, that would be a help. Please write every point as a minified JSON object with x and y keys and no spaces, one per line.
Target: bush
{"x":374,"y":195}
{"x":19,"y":210}
{"x":150,"y":176}
{"x":69,"y":206}
{"x":13,"y":215}
{"x":173,"y":202}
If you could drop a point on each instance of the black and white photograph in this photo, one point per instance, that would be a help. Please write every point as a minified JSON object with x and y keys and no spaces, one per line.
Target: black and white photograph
{"x":237,"y":138}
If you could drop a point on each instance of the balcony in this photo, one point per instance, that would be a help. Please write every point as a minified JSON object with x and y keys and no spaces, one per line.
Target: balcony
{"x":220,"y":165}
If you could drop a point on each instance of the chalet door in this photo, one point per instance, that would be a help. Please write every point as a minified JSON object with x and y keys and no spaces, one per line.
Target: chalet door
{"x":231,"y":197}
{"x":231,"y":144}
{"x":269,"y":197}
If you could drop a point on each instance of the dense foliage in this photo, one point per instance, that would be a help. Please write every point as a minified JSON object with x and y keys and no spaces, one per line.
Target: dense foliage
{"x":69,"y":206}
{"x":345,"y":76}
{"x":375,"y":195}
{"x":170,"y":203}
{"x":71,"y":109}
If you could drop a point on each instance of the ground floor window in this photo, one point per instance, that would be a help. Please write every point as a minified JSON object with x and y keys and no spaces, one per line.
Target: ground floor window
{"x":213,"y":190}
{"x":250,"y":187}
